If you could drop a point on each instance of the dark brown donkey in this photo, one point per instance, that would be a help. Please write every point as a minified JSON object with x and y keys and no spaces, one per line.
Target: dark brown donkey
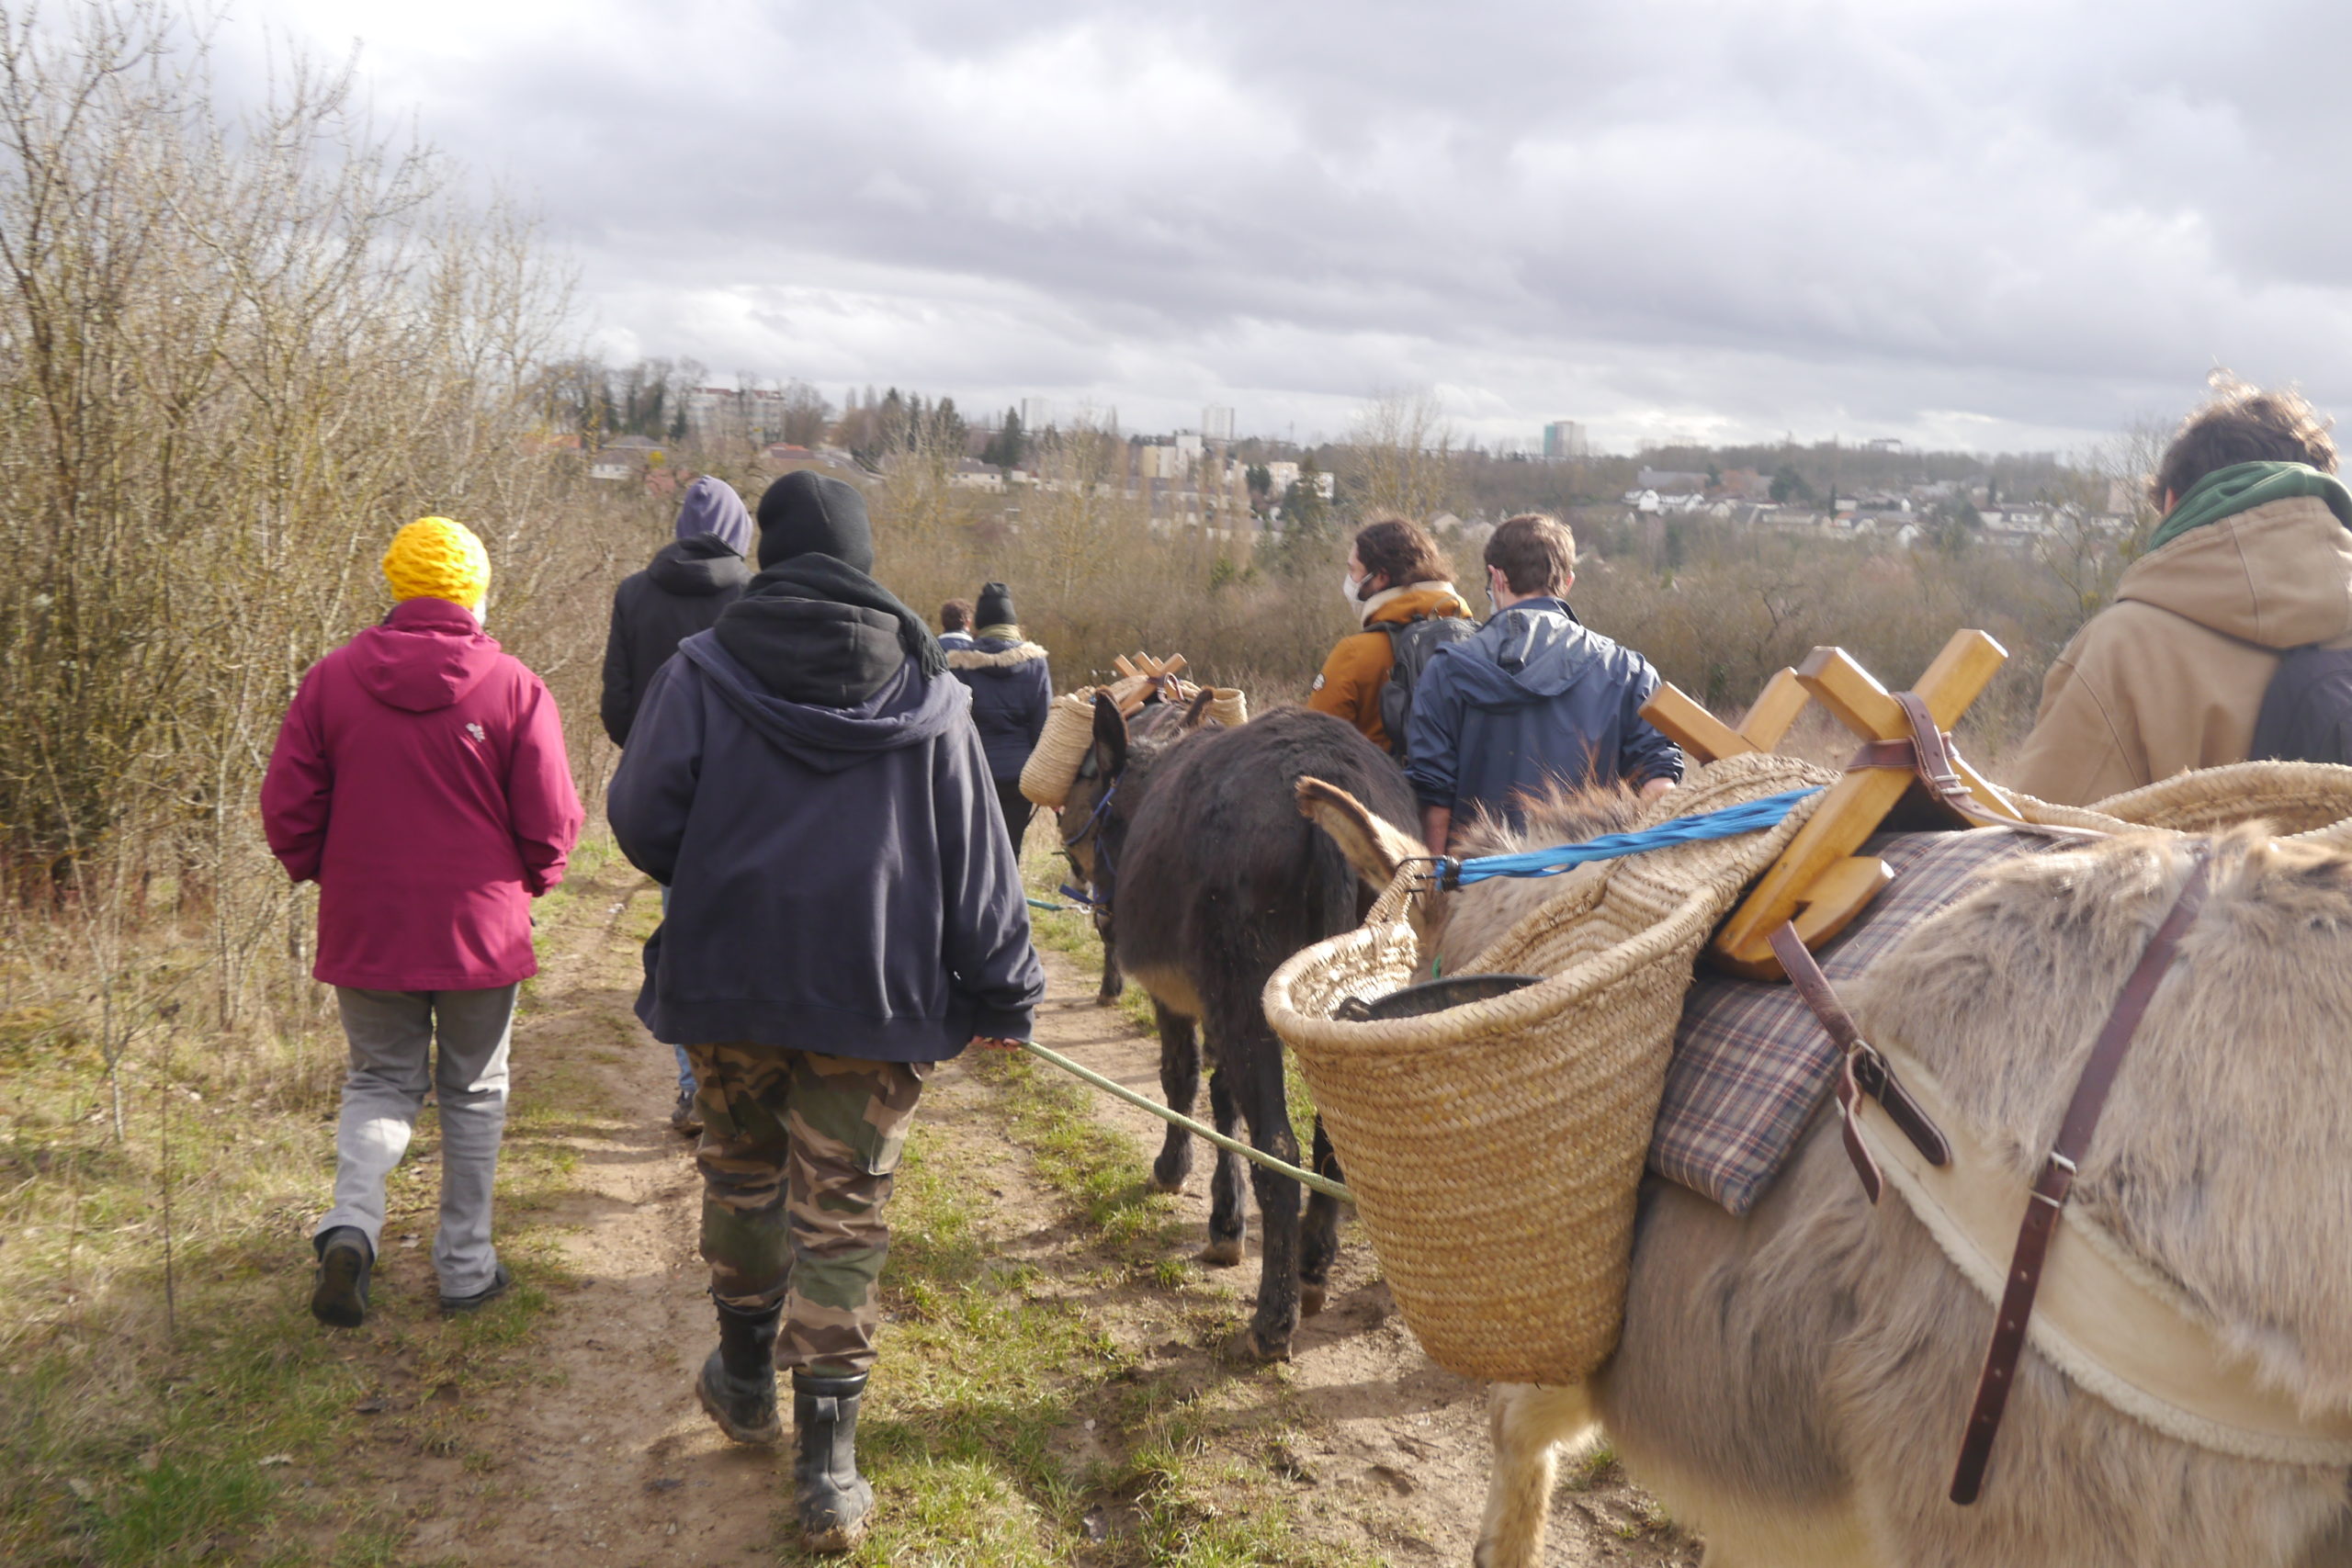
{"x":1215,"y":879}
{"x":1080,"y":816}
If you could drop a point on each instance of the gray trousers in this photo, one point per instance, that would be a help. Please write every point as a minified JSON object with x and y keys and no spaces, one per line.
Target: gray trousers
{"x":392,"y":1036}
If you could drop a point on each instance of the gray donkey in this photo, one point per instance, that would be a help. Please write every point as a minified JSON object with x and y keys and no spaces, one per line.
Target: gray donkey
{"x":1794,"y":1383}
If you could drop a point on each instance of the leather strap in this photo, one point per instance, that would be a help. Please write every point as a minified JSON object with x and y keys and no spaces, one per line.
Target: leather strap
{"x":1895,"y":756}
{"x":1928,"y":753}
{"x":1864,"y":1070}
{"x":2056,"y":1180}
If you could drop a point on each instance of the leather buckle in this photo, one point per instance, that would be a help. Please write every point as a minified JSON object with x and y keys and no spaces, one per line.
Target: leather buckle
{"x":2055,"y":1181}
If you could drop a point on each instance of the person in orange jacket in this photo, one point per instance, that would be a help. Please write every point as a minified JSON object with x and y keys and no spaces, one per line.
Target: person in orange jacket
{"x":1395,"y":576}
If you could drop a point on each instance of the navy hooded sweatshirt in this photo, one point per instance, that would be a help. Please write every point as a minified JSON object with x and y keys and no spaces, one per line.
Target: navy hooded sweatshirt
{"x":841,"y":879}
{"x":1533,"y":700}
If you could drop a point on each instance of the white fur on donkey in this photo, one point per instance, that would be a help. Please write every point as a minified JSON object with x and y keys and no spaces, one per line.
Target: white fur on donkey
{"x":1794,"y":1383}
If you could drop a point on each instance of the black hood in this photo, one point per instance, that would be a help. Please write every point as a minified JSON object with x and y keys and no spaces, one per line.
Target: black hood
{"x":698,"y":568}
{"x":806,"y":650}
{"x":815,"y":630}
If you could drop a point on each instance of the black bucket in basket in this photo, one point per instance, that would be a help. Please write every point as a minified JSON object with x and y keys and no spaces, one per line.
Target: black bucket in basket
{"x":1434,"y":996}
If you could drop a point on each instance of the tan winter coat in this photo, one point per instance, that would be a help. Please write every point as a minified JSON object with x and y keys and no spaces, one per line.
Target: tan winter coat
{"x":2171,"y":676}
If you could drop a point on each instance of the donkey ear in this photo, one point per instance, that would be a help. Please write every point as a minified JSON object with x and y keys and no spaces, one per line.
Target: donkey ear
{"x":1373,"y":846}
{"x":1198,"y":713}
{"x":1110,"y":737}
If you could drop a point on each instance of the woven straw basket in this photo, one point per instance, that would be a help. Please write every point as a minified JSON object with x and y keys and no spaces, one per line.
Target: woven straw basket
{"x":1054,"y":761}
{"x":2309,"y":802}
{"x":1228,"y":706}
{"x":1495,"y":1148}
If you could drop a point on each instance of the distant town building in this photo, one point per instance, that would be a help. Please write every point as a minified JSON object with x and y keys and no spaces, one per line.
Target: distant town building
{"x":726,"y":413}
{"x":1036,"y":413}
{"x":625,"y":457}
{"x":1562,"y":439}
{"x":1669,"y":478}
{"x":1216,"y":424}
{"x":1883,"y":444}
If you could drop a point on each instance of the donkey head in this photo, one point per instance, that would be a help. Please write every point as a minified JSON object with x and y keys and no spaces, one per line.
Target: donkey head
{"x":1110,"y":783}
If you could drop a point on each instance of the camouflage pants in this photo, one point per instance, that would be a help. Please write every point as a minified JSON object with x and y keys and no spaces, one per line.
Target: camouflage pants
{"x":797,"y":1155}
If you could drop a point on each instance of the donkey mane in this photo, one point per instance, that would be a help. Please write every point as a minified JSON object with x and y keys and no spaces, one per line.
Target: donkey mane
{"x":1467,"y":924}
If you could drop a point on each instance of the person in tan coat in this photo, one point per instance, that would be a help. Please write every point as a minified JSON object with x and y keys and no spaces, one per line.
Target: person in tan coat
{"x":2253,"y":558}
{"x":1395,"y":576}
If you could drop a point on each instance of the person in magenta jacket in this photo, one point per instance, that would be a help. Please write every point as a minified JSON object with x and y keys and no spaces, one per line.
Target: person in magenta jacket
{"x":420,"y":780}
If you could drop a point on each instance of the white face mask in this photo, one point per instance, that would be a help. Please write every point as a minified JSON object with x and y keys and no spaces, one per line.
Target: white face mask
{"x":1348,"y":589}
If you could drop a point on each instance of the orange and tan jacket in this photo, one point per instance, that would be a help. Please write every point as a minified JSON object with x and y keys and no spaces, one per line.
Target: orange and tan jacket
{"x":1350,"y":685}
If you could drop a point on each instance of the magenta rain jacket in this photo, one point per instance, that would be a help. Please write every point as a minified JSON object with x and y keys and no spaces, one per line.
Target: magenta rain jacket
{"x":420,"y":780}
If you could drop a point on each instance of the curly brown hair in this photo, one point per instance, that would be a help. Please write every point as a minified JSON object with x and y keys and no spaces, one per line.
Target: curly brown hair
{"x":1400,"y":550}
{"x":2242,"y":423}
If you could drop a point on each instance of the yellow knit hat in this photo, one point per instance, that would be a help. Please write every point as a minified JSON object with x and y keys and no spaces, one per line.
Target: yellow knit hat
{"x":435,"y":559}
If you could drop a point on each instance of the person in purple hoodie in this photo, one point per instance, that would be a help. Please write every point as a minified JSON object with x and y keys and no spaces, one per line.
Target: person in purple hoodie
{"x":420,"y":780}
{"x":688,"y":582}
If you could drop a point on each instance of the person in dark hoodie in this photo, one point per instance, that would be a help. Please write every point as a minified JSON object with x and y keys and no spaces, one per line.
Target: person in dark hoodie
{"x":844,"y":912}
{"x":1534,"y":700}
{"x":681,"y":591}
{"x":1010,"y":692}
{"x":418,"y":779}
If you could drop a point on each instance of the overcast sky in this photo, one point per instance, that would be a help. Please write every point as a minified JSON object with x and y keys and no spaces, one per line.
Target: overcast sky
{"x":1996,"y":223}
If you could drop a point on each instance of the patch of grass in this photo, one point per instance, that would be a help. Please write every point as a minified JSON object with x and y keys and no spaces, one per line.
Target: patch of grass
{"x":1010,"y":1428}
{"x":131,"y":1436}
{"x":1095,"y":1168}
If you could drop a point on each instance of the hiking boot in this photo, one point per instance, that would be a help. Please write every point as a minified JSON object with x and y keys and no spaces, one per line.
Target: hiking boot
{"x":498,"y":1283}
{"x":832,"y":1498}
{"x":737,"y":1383}
{"x":345,"y":1261}
{"x":685,"y":1120}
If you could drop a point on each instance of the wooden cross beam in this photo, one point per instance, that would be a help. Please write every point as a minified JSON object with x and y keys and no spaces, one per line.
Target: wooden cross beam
{"x":1818,"y":881}
{"x":1706,"y":738}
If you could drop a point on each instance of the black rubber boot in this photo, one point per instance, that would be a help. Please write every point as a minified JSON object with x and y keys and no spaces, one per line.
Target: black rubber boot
{"x":738,"y":1383}
{"x":339,"y":1299}
{"x":833,"y":1499}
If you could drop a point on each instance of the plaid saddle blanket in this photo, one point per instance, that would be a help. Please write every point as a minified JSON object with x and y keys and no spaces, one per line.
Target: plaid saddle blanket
{"x":1751,"y":1063}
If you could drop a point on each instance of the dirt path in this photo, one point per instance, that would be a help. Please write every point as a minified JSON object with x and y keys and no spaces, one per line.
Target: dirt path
{"x":1395,"y":1446}
{"x":604,"y":1456}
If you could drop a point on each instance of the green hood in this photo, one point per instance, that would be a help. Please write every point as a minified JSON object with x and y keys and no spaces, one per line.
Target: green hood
{"x":2241,"y":486}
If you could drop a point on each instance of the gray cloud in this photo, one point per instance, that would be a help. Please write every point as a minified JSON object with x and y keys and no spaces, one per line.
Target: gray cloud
{"x":1988,"y":224}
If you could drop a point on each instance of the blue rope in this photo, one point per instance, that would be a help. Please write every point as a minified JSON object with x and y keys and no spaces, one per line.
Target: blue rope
{"x":1733,"y":820}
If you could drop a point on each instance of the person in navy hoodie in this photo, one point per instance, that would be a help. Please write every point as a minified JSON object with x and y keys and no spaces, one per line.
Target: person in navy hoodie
{"x":1011,"y":690}
{"x":680,"y":593}
{"x":845,"y":912}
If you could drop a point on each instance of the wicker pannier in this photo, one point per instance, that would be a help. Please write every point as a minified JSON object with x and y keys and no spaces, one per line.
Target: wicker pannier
{"x":1228,"y":706}
{"x":1495,"y":1148}
{"x":2307,"y":802}
{"x":1054,"y":761}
